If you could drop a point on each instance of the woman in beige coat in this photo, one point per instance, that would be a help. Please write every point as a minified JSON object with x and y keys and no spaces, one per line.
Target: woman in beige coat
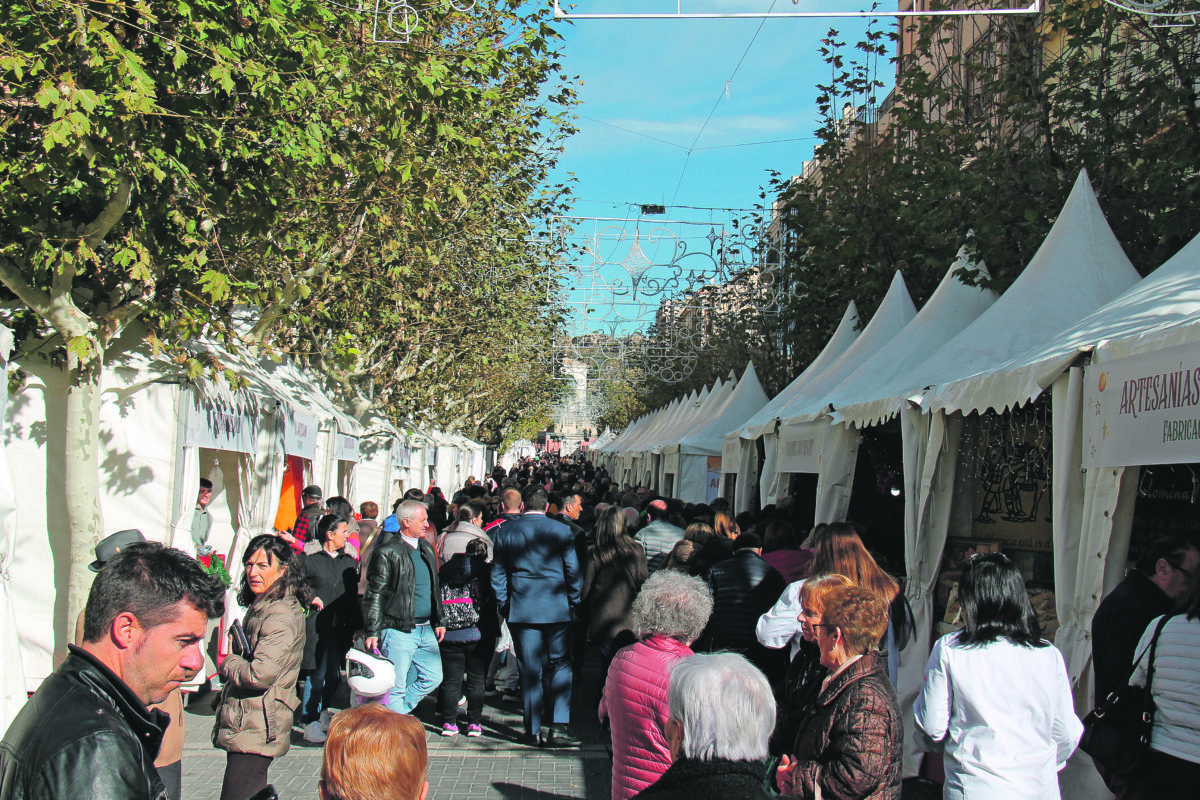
{"x":255,"y":715}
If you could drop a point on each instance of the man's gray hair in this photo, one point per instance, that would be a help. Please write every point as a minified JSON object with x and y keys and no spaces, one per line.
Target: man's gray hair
{"x":671,"y":604}
{"x":724,"y":705}
{"x":409,"y":510}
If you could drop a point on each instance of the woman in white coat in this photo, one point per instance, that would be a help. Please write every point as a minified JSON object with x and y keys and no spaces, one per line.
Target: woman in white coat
{"x":996,"y":698}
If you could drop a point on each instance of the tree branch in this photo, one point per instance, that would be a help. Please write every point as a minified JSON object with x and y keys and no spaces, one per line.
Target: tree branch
{"x":94,"y":234}
{"x":57,"y":309}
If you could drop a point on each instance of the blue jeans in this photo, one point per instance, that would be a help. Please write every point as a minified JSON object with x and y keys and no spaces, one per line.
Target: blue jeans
{"x":418,"y":665}
{"x":534,"y":644}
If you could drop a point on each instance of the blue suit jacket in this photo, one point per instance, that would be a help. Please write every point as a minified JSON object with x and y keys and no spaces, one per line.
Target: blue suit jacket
{"x":535,"y":570}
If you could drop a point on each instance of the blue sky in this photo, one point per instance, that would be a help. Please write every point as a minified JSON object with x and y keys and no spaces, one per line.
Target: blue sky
{"x":651,"y":90}
{"x":662,"y":79}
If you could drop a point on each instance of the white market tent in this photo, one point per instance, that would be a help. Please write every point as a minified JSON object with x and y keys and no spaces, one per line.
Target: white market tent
{"x":688,"y":460}
{"x":647,"y":452}
{"x":666,"y":446}
{"x":603,"y":439}
{"x":12,"y":682}
{"x":159,"y":434}
{"x":867,"y":397}
{"x":640,"y":453}
{"x":1093,"y":511}
{"x":875,"y":392}
{"x":1078,"y":268}
{"x":739,"y":453}
{"x":382,"y":474}
{"x":798,"y":444}
{"x":522,"y":448}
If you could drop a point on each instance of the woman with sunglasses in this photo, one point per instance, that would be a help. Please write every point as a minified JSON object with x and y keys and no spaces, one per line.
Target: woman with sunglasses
{"x":996,"y":697}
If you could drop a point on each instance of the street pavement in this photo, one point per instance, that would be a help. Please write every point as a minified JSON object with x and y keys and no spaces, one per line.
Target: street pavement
{"x":491,"y":766}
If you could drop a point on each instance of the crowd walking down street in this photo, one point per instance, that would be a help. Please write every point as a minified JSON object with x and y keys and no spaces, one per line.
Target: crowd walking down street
{"x":545,"y":636}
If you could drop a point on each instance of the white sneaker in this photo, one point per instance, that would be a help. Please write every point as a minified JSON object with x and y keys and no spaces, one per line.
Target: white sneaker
{"x":326,"y":718}
{"x":313,"y":732}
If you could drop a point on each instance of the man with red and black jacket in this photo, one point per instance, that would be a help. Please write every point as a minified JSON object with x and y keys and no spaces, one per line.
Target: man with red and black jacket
{"x":305,"y":525}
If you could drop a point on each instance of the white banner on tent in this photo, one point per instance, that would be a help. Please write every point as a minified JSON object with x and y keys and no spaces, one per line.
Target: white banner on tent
{"x":1143,"y":410}
{"x":221,"y":425}
{"x":299,"y":433}
{"x":401,"y":455}
{"x":800,"y":447}
{"x":347,"y":447}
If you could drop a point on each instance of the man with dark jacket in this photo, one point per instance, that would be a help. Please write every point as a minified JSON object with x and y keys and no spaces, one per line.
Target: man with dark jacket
{"x":87,"y":731}
{"x":306,"y":523}
{"x":403,"y":609}
{"x":537,"y":580}
{"x":1156,"y":585}
{"x":744,"y":588}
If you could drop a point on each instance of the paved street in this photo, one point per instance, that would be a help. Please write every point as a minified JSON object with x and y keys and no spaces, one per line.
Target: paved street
{"x":492,"y":766}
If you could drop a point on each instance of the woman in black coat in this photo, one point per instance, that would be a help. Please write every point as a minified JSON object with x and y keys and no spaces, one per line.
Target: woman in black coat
{"x":332,"y":576}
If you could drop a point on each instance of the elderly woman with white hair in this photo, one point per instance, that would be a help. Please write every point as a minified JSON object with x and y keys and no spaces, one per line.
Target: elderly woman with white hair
{"x":667,"y":615}
{"x":721,"y":712}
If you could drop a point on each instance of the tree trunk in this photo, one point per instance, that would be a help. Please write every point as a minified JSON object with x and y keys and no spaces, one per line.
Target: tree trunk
{"x":81,"y":474}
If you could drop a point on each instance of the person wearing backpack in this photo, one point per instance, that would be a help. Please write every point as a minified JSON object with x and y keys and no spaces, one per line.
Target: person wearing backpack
{"x":472,"y":627}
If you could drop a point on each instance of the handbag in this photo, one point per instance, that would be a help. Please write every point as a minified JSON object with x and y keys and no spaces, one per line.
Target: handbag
{"x":1117,"y":732}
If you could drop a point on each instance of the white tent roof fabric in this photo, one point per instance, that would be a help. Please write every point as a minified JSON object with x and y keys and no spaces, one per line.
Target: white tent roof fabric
{"x":875,"y":391}
{"x":894,"y":313}
{"x":843,"y":337}
{"x":745,"y":399}
{"x":1079,"y":267}
{"x":1162,"y":310}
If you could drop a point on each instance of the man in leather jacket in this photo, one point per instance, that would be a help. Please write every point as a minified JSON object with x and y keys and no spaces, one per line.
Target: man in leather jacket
{"x":87,"y":731}
{"x":403,"y":608}
{"x":744,"y":587}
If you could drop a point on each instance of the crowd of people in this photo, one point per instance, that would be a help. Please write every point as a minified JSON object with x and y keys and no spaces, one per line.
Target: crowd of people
{"x":740,"y":654}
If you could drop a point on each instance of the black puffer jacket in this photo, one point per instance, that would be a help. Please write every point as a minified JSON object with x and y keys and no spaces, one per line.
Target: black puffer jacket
{"x":696,"y":780}
{"x":391,"y":587}
{"x":83,"y":734}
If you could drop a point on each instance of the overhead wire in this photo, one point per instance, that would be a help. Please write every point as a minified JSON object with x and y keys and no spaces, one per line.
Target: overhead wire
{"x":724,"y":91}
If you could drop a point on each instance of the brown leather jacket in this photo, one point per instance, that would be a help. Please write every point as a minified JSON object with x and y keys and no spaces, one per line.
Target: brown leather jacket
{"x":850,"y":745}
{"x":259,"y":698}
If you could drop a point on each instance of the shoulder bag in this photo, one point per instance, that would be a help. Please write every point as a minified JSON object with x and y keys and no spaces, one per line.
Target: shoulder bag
{"x":1117,"y":732}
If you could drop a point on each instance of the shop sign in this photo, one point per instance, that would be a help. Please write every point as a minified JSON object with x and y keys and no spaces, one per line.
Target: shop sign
{"x":347,"y":447}
{"x":221,"y":425}
{"x":1143,"y":410}
{"x":401,"y":455}
{"x":299,"y":432}
{"x":801,"y":447}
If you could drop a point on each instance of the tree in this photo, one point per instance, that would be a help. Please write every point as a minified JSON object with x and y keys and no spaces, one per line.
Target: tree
{"x":989,"y":124}
{"x":177,"y":163}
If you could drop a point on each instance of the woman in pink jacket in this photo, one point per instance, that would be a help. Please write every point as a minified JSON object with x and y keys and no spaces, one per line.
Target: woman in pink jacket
{"x":669,"y":613}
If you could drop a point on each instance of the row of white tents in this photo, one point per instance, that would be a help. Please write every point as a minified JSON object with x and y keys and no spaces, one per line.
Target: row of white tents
{"x":1078,"y":322}
{"x":159,"y":434}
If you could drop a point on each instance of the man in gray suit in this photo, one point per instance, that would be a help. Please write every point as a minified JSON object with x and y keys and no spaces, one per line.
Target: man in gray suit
{"x":660,"y":536}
